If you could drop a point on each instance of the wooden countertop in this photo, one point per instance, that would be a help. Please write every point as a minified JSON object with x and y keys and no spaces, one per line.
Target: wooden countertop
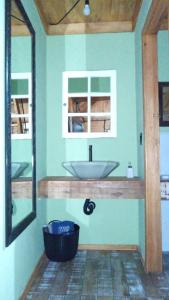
{"x":22,"y":188}
{"x":63,"y":187}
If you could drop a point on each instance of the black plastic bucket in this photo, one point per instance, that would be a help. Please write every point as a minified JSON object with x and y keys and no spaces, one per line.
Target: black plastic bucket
{"x":61,"y":247}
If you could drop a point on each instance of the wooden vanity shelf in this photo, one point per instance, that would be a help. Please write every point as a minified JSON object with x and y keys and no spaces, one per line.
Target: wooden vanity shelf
{"x":22,"y":188}
{"x":107,"y":188}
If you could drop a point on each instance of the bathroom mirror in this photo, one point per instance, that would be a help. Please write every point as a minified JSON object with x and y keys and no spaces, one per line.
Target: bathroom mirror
{"x":20,"y":120}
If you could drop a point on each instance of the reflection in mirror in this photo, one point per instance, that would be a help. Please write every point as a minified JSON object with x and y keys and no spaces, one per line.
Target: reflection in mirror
{"x":21,"y":104}
{"x":20,"y":116}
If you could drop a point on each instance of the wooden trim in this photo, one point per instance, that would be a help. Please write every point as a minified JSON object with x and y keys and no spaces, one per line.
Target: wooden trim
{"x":153,"y":259}
{"x":157,"y":11}
{"x":108,"y":247}
{"x":80,"y":28}
{"x":153,"y":251}
{"x":34,"y":276}
{"x":20,"y":30}
{"x":107,"y":188}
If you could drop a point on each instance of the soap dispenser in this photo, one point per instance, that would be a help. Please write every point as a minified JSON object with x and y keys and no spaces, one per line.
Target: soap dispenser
{"x":130,"y":171}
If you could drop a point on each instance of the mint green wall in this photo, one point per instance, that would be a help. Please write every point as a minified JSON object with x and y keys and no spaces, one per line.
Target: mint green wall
{"x":163,"y":61}
{"x":21,"y":54}
{"x":92,"y":52}
{"x":19,"y":259}
{"x":163,"y":55}
{"x":139,"y":98}
{"x":113,"y":221}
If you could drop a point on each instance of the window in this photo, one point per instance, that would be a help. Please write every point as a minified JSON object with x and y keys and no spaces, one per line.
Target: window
{"x":89,"y":104}
{"x":21,"y":101}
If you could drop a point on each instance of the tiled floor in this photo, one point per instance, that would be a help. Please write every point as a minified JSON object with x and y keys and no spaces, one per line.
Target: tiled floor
{"x":100,"y":275}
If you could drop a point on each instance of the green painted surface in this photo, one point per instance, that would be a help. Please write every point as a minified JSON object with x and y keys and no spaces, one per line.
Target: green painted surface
{"x":100,"y":85}
{"x":163,"y":61}
{"x":19,"y":87}
{"x":21,"y":208}
{"x":19,"y":259}
{"x":112,"y":222}
{"x":77,"y":85}
{"x":21,"y":54}
{"x":21,"y":63}
{"x":87,"y":52}
{"x":163,"y":56}
{"x":81,"y":85}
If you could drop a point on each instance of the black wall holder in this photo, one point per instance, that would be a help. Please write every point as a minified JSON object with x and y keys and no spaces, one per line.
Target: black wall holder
{"x":88,"y":207}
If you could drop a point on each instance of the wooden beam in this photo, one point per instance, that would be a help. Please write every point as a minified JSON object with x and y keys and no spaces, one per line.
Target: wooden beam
{"x":107,"y":188}
{"x":153,"y":260}
{"x":156,"y":13}
{"x":80,"y":28}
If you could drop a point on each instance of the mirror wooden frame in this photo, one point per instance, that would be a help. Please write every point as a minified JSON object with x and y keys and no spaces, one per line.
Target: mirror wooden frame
{"x":163,"y":122}
{"x":12,"y":233}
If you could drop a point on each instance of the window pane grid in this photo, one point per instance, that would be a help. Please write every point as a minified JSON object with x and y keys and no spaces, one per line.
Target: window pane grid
{"x":89,"y":109}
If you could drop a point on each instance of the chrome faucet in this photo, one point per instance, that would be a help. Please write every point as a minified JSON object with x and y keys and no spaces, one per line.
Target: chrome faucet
{"x":90,"y":153}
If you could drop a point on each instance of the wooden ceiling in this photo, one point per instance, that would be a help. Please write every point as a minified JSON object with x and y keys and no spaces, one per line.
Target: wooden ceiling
{"x":18,"y":26}
{"x":106,"y":16}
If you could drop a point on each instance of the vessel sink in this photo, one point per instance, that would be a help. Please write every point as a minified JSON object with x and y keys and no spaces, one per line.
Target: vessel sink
{"x":90,"y":169}
{"x":18,"y":168}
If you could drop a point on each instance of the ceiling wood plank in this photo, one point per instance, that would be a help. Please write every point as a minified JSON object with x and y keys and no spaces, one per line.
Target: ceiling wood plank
{"x":155,"y":16}
{"x":20,"y":30}
{"x":80,"y":28}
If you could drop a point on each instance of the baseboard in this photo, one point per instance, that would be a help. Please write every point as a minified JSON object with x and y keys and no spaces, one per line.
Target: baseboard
{"x":107,"y":247}
{"x":34,"y":275}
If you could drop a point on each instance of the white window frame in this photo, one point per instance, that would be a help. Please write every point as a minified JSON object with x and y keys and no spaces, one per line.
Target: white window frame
{"x":89,"y":94}
{"x":21,"y":76}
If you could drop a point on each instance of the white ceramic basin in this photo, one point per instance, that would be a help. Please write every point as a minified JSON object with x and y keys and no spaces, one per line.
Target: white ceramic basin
{"x":18,"y":168}
{"x":90,"y":170}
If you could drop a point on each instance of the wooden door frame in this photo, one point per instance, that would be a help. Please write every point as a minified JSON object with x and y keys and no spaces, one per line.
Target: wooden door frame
{"x":153,"y":239}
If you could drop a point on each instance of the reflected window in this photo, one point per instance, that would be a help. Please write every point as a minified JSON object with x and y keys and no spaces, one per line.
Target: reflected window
{"x":89,"y":104}
{"x":21,"y":102}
